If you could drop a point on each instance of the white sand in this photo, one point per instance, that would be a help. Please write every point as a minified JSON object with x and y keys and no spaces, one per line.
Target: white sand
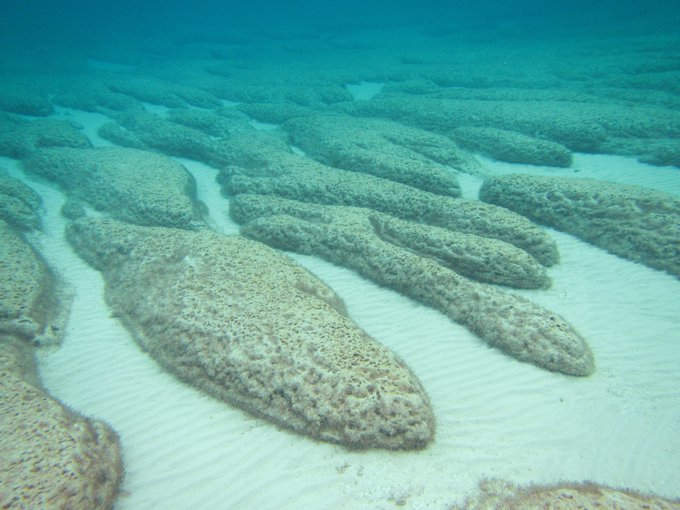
{"x":365,"y":90}
{"x":496,"y":417}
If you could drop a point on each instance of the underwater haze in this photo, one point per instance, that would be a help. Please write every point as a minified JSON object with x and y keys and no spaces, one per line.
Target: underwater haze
{"x":81,"y":20}
{"x":340,"y":255}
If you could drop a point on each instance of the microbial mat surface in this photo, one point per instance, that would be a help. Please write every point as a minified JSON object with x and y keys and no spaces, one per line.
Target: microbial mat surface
{"x":340,"y":256}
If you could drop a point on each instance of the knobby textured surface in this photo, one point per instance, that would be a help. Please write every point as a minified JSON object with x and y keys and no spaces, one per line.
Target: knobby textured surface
{"x":249,"y":326}
{"x":50,"y":457}
{"x":633,"y":222}
{"x":346,"y":236}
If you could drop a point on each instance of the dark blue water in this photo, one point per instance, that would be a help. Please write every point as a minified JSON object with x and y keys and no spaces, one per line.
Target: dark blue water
{"x":78,"y":21}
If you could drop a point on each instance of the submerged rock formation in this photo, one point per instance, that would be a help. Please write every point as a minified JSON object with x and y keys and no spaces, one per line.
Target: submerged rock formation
{"x":144,"y":130}
{"x":591,"y":125}
{"x":561,"y":122}
{"x":133,"y":185}
{"x":89,"y":92}
{"x":22,"y":95}
{"x":247,"y":325}
{"x":50,"y":457}
{"x":267,"y":167}
{"x":382,"y":148}
{"x":274,"y":113}
{"x":479,"y":258}
{"x":18,"y":203}
{"x":348,"y":236}
{"x":263,"y":163}
{"x":512,"y":147}
{"x":502,"y":495}
{"x":20,"y":138}
{"x":33,"y":304}
{"x":158,"y":91}
{"x":633,"y":222}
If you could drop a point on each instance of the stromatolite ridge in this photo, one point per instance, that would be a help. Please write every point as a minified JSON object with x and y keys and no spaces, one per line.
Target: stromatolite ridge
{"x":20,"y":138}
{"x":502,"y":495}
{"x":18,"y":203}
{"x":633,"y":222}
{"x":138,"y":186}
{"x":480,"y":258}
{"x":34,"y":303}
{"x":249,"y":326}
{"x":50,"y":457}
{"x":381,"y":148}
{"x":513,"y":147}
{"x":346,"y":236}
{"x":266,"y":166}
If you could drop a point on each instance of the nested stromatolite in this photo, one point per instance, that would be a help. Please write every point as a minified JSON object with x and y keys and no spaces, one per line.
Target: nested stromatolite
{"x":133,"y":185}
{"x":50,"y":457}
{"x":501,"y":495}
{"x":633,"y":222}
{"x":249,"y":326}
{"x":266,"y":166}
{"x":505,"y":145}
{"x":18,"y":203}
{"x":32,"y":303}
{"x":346,"y":236}
{"x":480,"y":258}
{"x":382,"y":148}
{"x":20,"y":138}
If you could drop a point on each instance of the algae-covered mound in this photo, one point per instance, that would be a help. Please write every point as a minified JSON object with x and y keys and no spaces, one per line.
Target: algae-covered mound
{"x":633,"y":222}
{"x":144,"y":130}
{"x":502,"y":495}
{"x":50,"y":458}
{"x":87,"y":92}
{"x":381,"y":148}
{"x":18,"y":203}
{"x":157,"y":91}
{"x":512,"y":147}
{"x":586,"y":126}
{"x":20,"y":138}
{"x":32,"y":306}
{"x":350,"y":237}
{"x":247,"y":325}
{"x":267,"y":167}
{"x":214,"y":123}
{"x":23,"y":96}
{"x":570,"y":124}
{"x":480,"y":258}
{"x":132,"y":185}
{"x":274,"y":113}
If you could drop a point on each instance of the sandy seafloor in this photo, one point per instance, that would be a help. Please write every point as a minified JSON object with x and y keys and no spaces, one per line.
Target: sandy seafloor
{"x":496,"y":417}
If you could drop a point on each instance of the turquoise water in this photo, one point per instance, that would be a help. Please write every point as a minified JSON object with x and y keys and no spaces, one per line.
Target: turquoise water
{"x":464,"y":224}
